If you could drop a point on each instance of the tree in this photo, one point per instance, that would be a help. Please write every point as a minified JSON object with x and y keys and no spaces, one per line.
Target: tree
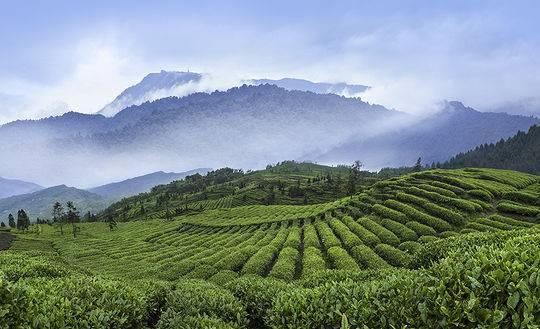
{"x":354,"y":176}
{"x":11,"y":221}
{"x":2,"y":224}
{"x":418,"y":165}
{"x":109,"y":219}
{"x":72,"y":216}
{"x":58,"y":216}
{"x":23,"y":221}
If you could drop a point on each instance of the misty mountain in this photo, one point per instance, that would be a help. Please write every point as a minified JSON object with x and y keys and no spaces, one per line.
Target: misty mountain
{"x":243,"y":127}
{"x":456,"y":128}
{"x":39,"y":204}
{"x":10,"y":187}
{"x":341,"y":88}
{"x":141,"y":184}
{"x":520,"y":152}
{"x":152,"y":87}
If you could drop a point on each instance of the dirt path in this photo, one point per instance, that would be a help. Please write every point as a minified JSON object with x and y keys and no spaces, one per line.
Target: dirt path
{"x":5,"y":240}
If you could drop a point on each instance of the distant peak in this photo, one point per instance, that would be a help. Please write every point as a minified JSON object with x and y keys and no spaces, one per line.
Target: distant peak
{"x":456,"y":107}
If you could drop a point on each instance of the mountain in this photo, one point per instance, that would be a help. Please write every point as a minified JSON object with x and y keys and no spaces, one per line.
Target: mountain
{"x":152,"y":87}
{"x":520,"y":152}
{"x":10,"y":187}
{"x":455,"y":129}
{"x":341,"y":88}
{"x":243,"y":127}
{"x":141,"y":184}
{"x":39,"y":204}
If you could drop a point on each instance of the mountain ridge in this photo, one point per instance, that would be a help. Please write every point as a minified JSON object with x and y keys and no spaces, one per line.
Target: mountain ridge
{"x":39,"y":203}
{"x":140,"y":184}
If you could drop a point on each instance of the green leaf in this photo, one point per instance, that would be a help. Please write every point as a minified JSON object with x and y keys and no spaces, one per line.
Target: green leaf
{"x":513,"y":300}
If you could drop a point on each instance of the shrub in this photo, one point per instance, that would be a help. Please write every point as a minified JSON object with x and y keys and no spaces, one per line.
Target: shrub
{"x":235,"y":260}
{"x":367,"y":237}
{"x":439,"y":190}
{"x":223,"y":277}
{"x":201,"y":299}
{"x":495,"y":224}
{"x":393,"y":255}
{"x":510,"y":221}
{"x":202,"y":272}
{"x":440,"y":248}
{"x":447,"y":234}
{"x":70,"y":302}
{"x":410,"y":247}
{"x":312,"y":261}
{"x":455,"y":189}
{"x":481,"y":194}
{"x":421,"y":229}
{"x":460,"y":204}
{"x":341,"y":260}
{"x":310,"y":237}
{"x":348,"y":238}
{"x":382,"y":233}
{"x":367,"y":258}
{"x":481,"y":227}
{"x":293,"y":239}
{"x":321,"y":278}
{"x":199,"y":322}
{"x":25,"y":265}
{"x":414,"y":214}
{"x":427,"y":239}
{"x":401,"y":231}
{"x":520,"y":196}
{"x":390,"y":213}
{"x":326,"y":235}
{"x":257,"y":295}
{"x":517,"y":209}
{"x":488,"y":288}
{"x":260,"y":261}
{"x":285,"y":266}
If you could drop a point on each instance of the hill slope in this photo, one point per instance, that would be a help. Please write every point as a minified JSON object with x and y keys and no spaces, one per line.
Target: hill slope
{"x":455,"y":129}
{"x":287,"y":182}
{"x":39,"y":204}
{"x":379,"y":228}
{"x":520,"y":152}
{"x":10,"y":187}
{"x":141,"y":184}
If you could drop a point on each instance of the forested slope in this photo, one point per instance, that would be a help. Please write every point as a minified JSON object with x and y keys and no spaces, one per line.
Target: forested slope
{"x":520,"y":152}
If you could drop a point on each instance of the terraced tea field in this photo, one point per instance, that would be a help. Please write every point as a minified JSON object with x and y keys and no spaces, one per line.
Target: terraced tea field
{"x":379,"y":228}
{"x":405,"y":252}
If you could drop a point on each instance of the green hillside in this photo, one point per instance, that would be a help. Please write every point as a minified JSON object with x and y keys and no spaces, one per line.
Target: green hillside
{"x":39,"y":204}
{"x":407,"y":251}
{"x":288,"y":182}
{"x":520,"y":152}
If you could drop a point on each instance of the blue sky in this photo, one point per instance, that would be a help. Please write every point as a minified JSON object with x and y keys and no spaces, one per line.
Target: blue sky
{"x":79,"y":55}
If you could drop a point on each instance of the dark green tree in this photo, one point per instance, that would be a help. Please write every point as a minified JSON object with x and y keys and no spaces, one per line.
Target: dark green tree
{"x":354,"y":176}
{"x":11,"y":221}
{"x":23,"y":221}
{"x":59,"y":217}
{"x":72,"y":217}
{"x":2,"y":224}
{"x":418,"y":165}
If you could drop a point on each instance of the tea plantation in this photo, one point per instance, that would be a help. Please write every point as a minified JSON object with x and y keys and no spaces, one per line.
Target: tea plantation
{"x":436,"y":248}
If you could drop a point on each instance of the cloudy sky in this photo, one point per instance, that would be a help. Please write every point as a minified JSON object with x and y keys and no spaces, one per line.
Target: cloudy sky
{"x":59,"y":55}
